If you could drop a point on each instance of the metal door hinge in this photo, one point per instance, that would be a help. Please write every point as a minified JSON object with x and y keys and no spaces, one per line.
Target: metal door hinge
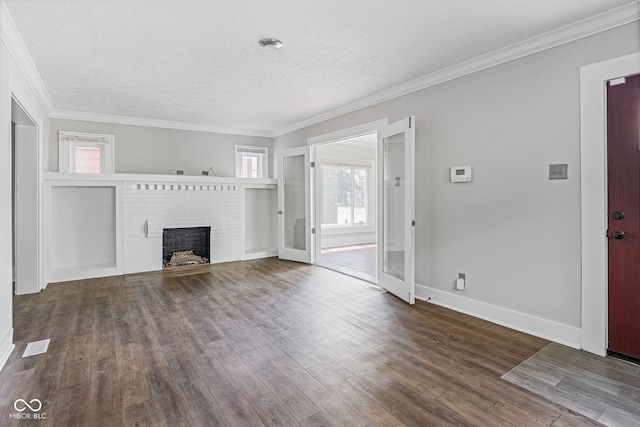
{"x":313,"y":164}
{"x":409,"y":122}
{"x":413,"y":223}
{"x":313,"y":230}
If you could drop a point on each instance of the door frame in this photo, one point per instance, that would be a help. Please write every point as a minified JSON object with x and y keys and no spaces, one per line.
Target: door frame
{"x":342,"y":134}
{"x":19,"y":96}
{"x":593,"y":192}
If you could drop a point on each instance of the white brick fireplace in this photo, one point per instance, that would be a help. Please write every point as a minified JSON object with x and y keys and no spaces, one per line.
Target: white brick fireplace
{"x":148,"y":209}
{"x":143,"y":206}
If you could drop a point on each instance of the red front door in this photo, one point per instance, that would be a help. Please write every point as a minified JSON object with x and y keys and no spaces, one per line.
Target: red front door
{"x":623,"y":173}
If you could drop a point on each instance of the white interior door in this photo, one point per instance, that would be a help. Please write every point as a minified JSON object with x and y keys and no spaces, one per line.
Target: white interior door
{"x":294,"y":205}
{"x":396,"y":208}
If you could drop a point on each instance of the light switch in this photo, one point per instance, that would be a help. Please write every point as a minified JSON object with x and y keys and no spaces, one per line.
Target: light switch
{"x":558,"y":171}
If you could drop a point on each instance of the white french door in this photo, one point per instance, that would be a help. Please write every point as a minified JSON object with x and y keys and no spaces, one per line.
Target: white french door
{"x":396,"y":208}
{"x":294,"y":205}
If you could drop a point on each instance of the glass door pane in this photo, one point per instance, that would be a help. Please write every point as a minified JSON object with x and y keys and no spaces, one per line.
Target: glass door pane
{"x":393,"y":249}
{"x":293,"y":173}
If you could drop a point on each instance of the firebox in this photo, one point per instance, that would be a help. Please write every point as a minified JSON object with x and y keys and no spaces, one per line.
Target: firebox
{"x":183,"y":246}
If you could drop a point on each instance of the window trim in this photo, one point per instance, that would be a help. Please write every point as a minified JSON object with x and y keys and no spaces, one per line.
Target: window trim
{"x":68,"y":141}
{"x":262,"y":153}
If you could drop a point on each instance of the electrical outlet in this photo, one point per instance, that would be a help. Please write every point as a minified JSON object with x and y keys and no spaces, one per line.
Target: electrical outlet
{"x":461,"y":283}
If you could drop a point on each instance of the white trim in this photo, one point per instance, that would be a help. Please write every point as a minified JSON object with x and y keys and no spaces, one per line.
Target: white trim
{"x":192,"y":179}
{"x":572,"y":32}
{"x":348,"y":133}
{"x":20,"y":97}
{"x":593,"y":191}
{"x":339,"y":135}
{"x":261,"y":154}
{"x":83,"y":272}
{"x":345,"y":162}
{"x":6,"y":347}
{"x":156,"y":123}
{"x":66,"y":149}
{"x":17,"y":49}
{"x":543,"y":328}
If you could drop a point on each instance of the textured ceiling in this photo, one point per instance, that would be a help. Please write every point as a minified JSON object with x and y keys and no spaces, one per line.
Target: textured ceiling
{"x":199,"y":62}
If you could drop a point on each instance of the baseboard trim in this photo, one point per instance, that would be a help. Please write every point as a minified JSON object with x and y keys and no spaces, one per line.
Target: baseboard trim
{"x":6,"y":347}
{"x":543,"y":328}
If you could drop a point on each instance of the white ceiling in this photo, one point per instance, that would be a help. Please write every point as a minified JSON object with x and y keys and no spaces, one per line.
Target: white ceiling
{"x":199,"y":62}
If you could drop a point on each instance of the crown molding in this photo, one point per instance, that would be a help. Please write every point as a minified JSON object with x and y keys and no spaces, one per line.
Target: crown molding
{"x":155,"y":123}
{"x":15,"y":45}
{"x":17,"y":49}
{"x":596,"y":24}
{"x":605,"y":21}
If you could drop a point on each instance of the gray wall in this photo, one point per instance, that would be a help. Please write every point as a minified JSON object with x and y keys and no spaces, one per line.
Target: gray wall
{"x":513,"y":232}
{"x":141,"y":149}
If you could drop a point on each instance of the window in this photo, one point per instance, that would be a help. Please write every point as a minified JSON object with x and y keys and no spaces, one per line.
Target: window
{"x":252,"y":162}
{"x":345,"y":194}
{"x":87,"y":159}
{"x":85,"y":152}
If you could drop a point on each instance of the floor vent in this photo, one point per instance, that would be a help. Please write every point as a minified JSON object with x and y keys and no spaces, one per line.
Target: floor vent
{"x":36,"y":347}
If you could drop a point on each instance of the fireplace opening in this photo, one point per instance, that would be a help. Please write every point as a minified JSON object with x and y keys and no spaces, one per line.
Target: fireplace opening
{"x":186,"y":246}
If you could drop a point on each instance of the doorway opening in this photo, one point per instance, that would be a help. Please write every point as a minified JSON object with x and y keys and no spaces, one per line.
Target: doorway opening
{"x":25,"y":182}
{"x":345,"y":188}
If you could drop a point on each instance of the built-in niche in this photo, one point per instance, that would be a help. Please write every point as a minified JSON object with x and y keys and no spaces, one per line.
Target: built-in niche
{"x":83,"y":231}
{"x":261,"y":222}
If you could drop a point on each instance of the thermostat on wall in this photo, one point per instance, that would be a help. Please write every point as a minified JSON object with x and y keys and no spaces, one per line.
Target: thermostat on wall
{"x":461,"y":174}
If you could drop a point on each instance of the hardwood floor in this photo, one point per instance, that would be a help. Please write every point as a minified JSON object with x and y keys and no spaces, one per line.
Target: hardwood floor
{"x":262,"y":343}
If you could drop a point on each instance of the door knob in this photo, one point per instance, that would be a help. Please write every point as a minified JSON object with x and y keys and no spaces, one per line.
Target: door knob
{"x":618,"y":234}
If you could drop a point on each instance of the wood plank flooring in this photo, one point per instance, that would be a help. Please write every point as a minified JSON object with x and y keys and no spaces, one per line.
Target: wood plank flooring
{"x":262,"y":343}
{"x":604,"y":389}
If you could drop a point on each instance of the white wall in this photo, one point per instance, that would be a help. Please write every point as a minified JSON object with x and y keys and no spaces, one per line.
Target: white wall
{"x":149,"y":150}
{"x":513,"y":232}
